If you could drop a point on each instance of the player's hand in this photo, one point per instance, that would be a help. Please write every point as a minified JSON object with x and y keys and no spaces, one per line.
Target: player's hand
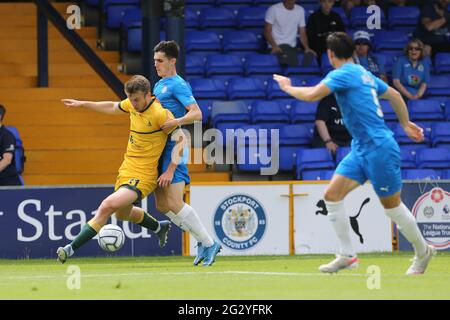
{"x":165,"y":179}
{"x":414,"y":132}
{"x":283,"y":82}
{"x":169,"y":125}
{"x":72,"y":103}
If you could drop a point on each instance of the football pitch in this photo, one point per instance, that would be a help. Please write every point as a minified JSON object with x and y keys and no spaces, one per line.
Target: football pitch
{"x":253,"y":278}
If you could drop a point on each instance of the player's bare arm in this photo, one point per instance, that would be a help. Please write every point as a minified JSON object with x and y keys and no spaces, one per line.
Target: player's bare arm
{"x":302,"y":93}
{"x":108,"y":107}
{"x":398,"y":104}
{"x":194,"y":114}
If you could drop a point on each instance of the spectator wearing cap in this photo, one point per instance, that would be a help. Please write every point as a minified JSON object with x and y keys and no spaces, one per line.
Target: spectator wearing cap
{"x":411,"y":72}
{"x":320,"y":24}
{"x":364,"y":57}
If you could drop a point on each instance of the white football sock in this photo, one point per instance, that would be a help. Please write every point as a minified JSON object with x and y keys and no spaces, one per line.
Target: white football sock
{"x":341,"y":225}
{"x":408,"y":226}
{"x":188,"y":220}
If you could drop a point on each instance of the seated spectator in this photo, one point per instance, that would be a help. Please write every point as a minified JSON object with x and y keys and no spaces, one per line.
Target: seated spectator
{"x":283,"y":21}
{"x":8,"y":171}
{"x":330,"y":131}
{"x":411,"y":72}
{"x":434,"y":27}
{"x":320,"y":24}
{"x":365,"y":58}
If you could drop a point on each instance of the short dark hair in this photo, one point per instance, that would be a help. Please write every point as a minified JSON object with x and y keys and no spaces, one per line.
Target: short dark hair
{"x":169,"y":48}
{"x":137,"y":83}
{"x":2,"y":112}
{"x":341,"y":44}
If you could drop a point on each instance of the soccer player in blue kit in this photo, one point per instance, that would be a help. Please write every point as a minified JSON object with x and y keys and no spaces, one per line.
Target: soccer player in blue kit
{"x":375,"y":155}
{"x":175,"y":94}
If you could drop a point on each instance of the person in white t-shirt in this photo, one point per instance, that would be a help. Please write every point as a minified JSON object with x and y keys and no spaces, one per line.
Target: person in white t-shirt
{"x":282,"y":22}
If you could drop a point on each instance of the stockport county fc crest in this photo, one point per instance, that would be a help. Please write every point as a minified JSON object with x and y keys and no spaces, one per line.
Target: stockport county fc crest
{"x":240,"y":222}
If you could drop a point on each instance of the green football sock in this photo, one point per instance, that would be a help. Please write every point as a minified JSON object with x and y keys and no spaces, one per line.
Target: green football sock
{"x":86,"y":234}
{"x":149,"y":222}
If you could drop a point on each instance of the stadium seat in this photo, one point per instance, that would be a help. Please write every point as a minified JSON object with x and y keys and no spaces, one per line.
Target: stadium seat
{"x":19,"y":152}
{"x":229,"y":111}
{"x":445,"y":174}
{"x":288,"y":157}
{"x":438,"y":85}
{"x":388,"y":111}
{"x":268,"y":111}
{"x":204,"y":88}
{"x":359,"y":17}
{"x":408,"y":159}
{"x":195,"y":64}
{"x":341,"y":153}
{"x":388,"y":58}
{"x":440,"y":133}
{"x":240,"y":41}
{"x":191,"y":18}
{"x":403,"y":18}
{"x":230,"y":138}
{"x":341,"y":12}
{"x":420,"y":174}
{"x":433,"y":158}
{"x":442,"y":62}
{"x":303,"y":111}
{"x":251,"y":17}
{"x":115,"y":9}
{"x":220,"y":64}
{"x":225,"y":3}
{"x":202,"y":41}
{"x":313,"y":175}
{"x":261,"y":64}
{"x":132,"y":18}
{"x":295,"y":135}
{"x":447,"y":110}
{"x":206,"y":107}
{"x":217,"y":18}
{"x":402,"y":138}
{"x":274,"y":91}
{"x":312,"y":69}
{"x":425,"y":110}
{"x":313,"y":159}
{"x":251,"y":157}
{"x":390,"y":40}
{"x":246,"y":88}
{"x":309,"y":9}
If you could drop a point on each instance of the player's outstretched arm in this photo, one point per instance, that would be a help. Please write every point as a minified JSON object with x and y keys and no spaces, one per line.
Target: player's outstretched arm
{"x":302,"y":93}
{"x":194,"y":114}
{"x":108,"y":107}
{"x":398,"y":104}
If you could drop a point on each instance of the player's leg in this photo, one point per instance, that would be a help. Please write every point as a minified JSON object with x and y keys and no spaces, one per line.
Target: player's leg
{"x":347,"y":177}
{"x":119,"y":199}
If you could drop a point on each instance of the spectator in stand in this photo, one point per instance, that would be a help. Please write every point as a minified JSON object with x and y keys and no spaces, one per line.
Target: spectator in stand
{"x":348,"y":5}
{"x":330,"y":131}
{"x":8,"y":171}
{"x":320,"y":24}
{"x":283,"y":21}
{"x":364,"y":57}
{"x":434,"y":27}
{"x":411,"y":72}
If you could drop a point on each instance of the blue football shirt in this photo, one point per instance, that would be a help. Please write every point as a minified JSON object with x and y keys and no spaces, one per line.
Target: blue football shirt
{"x":357,"y":91}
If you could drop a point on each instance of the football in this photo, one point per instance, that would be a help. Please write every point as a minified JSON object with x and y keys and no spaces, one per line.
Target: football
{"x":111,"y":238}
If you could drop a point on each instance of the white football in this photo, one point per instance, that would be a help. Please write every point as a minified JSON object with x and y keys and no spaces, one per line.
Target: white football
{"x":111,"y":238}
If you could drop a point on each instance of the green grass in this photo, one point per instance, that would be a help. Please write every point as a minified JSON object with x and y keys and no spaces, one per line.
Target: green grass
{"x":262,"y":277}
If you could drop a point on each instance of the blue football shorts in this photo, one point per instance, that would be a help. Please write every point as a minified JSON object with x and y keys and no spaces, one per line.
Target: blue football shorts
{"x":181,"y":172}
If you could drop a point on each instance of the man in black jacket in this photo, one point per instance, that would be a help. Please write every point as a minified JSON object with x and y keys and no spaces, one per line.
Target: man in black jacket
{"x":8,"y":171}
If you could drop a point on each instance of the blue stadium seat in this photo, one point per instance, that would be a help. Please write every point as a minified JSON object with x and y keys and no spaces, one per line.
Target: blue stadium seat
{"x":132,"y":18}
{"x":229,"y":111}
{"x":115,"y":10}
{"x":217,"y":18}
{"x":403,"y":139}
{"x":309,"y":8}
{"x":433,"y":158}
{"x":438,"y":85}
{"x":204,"y":88}
{"x":420,"y":174}
{"x":295,"y":135}
{"x":408,"y":159}
{"x":251,"y":17}
{"x":388,"y":111}
{"x":225,"y":3}
{"x":232,"y":127}
{"x":246,"y":88}
{"x":19,"y":153}
{"x":413,"y":148}
{"x":310,"y":80}
{"x":447,"y":110}
{"x":240,"y":40}
{"x":202,"y":41}
{"x":206,"y":107}
{"x":445,"y":174}
{"x":274,"y":91}
{"x":312,"y":69}
{"x":268,"y":111}
{"x":403,"y":18}
{"x":249,"y":157}
{"x":390,"y":40}
{"x":359,"y":17}
{"x":425,"y":110}
{"x":341,"y":153}
{"x":134,"y":38}
{"x":440,"y":133}
{"x":341,"y":12}
{"x":191,"y":18}
{"x":257,"y":64}
{"x":303,"y":111}
{"x":195,"y":64}
{"x":313,"y":159}
{"x":442,"y":62}
{"x":314,"y":175}
{"x":217,"y":64}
